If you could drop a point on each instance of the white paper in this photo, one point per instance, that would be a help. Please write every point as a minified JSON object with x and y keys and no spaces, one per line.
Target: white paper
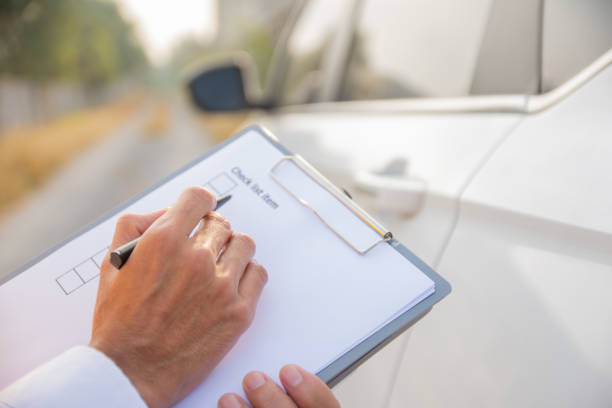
{"x":321,"y":299}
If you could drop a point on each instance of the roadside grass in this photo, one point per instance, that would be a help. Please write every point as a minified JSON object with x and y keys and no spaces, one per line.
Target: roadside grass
{"x":29,"y":155}
{"x":157,"y":124}
{"x":220,"y":126}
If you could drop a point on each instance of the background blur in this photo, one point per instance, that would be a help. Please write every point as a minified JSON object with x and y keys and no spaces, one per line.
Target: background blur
{"x":93,"y":106}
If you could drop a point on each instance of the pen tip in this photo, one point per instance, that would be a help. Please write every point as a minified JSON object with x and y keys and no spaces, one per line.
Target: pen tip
{"x":223,"y":199}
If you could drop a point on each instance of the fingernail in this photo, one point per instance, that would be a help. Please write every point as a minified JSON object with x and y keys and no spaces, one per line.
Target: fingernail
{"x":229,"y":401}
{"x":291,"y":375}
{"x":254,"y":381}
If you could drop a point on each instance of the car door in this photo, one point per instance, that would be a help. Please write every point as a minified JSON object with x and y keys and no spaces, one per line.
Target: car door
{"x":530,"y":260}
{"x":439,"y":142}
{"x":350,"y":124}
{"x":443,"y":141}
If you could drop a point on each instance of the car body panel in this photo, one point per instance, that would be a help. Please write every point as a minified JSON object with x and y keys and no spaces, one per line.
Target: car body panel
{"x":558,"y":162}
{"x":530,"y":319}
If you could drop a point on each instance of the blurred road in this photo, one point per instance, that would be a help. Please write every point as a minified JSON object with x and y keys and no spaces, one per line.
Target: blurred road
{"x":108,"y":173}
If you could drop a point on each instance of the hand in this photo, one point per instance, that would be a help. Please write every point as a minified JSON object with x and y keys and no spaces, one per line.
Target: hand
{"x":176,"y":307}
{"x":304,"y":390}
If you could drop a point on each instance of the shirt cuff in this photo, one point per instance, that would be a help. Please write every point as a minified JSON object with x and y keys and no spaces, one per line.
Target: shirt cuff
{"x":80,"y":377}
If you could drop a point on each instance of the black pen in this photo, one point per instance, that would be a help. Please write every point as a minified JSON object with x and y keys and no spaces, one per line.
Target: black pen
{"x":120,"y":255}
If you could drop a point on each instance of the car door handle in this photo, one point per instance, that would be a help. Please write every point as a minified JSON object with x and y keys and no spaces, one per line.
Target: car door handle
{"x":391,"y":189}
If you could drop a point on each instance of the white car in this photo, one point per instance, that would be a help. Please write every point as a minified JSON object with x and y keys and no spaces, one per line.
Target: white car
{"x":480,"y":133}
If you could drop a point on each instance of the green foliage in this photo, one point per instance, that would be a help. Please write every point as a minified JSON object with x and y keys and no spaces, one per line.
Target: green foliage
{"x":86,"y":41}
{"x":187,"y":50}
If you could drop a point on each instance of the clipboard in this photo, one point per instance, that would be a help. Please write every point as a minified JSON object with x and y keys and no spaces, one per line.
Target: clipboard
{"x":347,"y":362}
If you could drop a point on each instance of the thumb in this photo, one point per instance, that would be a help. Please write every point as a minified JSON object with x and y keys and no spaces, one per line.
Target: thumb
{"x":306,"y":389}
{"x":131,"y":226}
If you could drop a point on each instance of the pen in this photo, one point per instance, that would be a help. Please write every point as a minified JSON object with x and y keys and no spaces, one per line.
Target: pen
{"x":120,"y":255}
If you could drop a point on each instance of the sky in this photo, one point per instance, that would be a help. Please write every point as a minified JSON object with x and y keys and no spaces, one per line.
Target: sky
{"x":161,"y":23}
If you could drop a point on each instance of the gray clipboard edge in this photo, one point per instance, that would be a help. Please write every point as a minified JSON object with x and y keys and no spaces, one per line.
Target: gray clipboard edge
{"x":336,"y":371}
{"x":334,"y":375}
{"x":348,"y":362}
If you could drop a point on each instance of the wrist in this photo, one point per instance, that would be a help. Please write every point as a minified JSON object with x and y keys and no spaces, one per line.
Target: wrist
{"x":136,"y":375}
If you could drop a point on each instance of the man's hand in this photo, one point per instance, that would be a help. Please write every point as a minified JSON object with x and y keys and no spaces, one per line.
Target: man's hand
{"x":304,"y":390}
{"x":179,"y":304}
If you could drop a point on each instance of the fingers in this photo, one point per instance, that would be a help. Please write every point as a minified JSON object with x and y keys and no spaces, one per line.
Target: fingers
{"x":262,"y":392}
{"x":192,"y":205}
{"x":232,"y":401}
{"x":238,"y":252}
{"x":253,"y":280}
{"x":306,"y":389}
{"x":131,"y":226}
{"x":214,"y":233}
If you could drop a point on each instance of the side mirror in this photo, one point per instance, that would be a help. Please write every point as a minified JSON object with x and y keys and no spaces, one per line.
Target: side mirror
{"x":225,"y":87}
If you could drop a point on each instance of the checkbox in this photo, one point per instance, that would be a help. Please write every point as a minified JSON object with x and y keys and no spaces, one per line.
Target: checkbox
{"x":87,"y":270}
{"x":99,"y":257}
{"x":210,"y":188}
{"x":222,"y":184}
{"x":69,"y":281}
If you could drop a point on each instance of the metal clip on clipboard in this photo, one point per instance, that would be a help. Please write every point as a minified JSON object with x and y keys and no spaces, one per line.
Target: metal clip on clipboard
{"x":379,"y":235}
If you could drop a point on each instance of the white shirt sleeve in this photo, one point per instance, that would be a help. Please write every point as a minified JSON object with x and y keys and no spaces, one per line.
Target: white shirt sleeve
{"x":80,"y":377}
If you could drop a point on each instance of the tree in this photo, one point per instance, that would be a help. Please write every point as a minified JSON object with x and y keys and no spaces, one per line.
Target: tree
{"x":86,"y":41}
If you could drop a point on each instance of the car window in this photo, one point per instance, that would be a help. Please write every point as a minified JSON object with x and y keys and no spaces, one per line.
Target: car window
{"x":248,"y":26}
{"x":575,"y":33}
{"x":309,"y":48}
{"x":444,"y":48}
{"x":415,"y":48}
